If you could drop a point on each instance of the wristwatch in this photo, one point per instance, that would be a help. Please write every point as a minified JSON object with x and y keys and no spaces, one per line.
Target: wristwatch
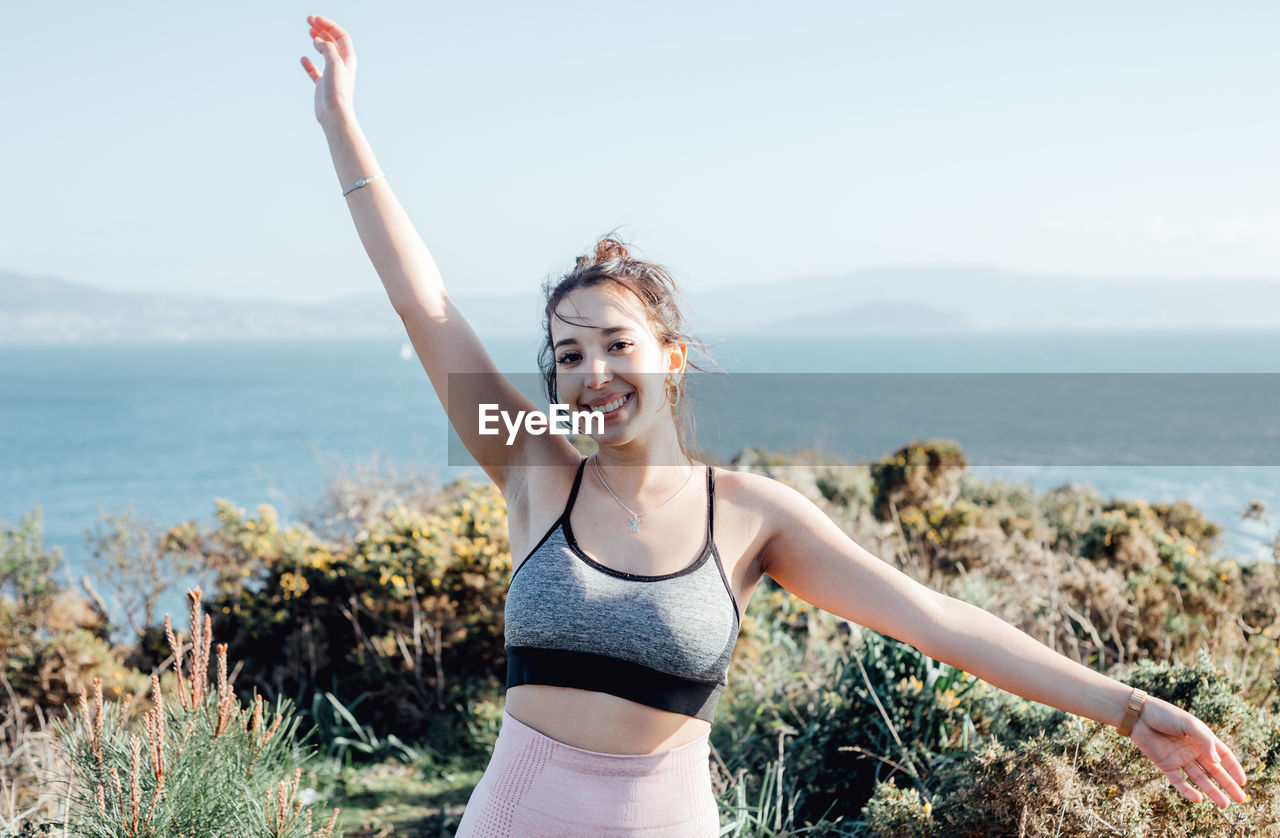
{"x":1131,"y":713}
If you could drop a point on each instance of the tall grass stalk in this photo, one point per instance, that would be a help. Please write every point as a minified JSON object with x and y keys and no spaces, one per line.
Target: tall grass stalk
{"x":197,"y":763}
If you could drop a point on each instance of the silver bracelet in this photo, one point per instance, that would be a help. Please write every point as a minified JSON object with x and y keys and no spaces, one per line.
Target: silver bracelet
{"x":361,"y":182}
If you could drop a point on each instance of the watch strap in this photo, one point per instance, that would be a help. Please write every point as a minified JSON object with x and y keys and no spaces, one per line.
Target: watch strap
{"x":1132,"y":711}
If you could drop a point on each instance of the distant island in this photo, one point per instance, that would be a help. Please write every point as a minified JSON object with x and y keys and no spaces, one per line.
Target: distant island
{"x":880,"y":317}
{"x":48,"y":310}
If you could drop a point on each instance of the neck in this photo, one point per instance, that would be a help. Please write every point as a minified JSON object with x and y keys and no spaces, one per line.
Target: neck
{"x":635,"y":468}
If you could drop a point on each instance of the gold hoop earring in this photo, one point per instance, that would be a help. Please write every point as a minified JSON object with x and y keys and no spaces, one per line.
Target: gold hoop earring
{"x":672,"y":385}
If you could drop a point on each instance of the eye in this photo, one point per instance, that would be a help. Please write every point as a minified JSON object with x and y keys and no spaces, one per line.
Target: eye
{"x":622,"y":343}
{"x":567,"y":358}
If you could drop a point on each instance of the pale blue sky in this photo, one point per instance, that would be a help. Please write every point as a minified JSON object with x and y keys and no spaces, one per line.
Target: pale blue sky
{"x":164,"y":146}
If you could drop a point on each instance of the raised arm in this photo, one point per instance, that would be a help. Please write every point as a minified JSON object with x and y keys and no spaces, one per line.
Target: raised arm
{"x":810,"y":556}
{"x":444,"y":341}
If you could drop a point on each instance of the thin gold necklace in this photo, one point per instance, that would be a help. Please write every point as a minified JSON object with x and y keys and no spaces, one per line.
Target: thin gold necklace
{"x":635,"y":516}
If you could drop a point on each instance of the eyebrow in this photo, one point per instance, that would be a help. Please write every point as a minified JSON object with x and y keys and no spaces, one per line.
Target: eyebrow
{"x":610,"y":330}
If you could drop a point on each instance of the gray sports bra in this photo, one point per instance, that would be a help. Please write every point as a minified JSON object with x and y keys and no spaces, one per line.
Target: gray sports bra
{"x":665,"y":641}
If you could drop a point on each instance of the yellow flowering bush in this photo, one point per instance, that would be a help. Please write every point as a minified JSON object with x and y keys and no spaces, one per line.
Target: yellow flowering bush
{"x":915,"y":475}
{"x":404,"y":617}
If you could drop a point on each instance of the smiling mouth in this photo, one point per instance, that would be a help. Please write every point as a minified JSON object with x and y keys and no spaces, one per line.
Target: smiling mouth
{"x":610,"y":407}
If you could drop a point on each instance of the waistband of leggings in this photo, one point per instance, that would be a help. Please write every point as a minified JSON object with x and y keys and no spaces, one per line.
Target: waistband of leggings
{"x":690,"y":753}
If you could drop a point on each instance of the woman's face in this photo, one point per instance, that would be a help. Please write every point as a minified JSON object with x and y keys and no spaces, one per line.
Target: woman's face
{"x":608,"y":359}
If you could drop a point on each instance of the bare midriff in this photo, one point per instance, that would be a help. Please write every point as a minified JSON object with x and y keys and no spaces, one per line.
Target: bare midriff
{"x":601,"y":722}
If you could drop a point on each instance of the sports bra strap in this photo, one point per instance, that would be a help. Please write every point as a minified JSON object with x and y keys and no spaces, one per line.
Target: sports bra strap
{"x":573,"y":494}
{"x":711,"y":506}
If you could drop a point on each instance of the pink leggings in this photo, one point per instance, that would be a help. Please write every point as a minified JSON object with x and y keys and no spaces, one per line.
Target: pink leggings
{"x":538,"y":786}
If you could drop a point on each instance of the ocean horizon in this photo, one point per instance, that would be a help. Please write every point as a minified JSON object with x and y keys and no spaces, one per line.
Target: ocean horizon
{"x":169,"y":428}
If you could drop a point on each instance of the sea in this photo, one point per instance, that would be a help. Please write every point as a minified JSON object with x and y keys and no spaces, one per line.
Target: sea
{"x":165,"y":429}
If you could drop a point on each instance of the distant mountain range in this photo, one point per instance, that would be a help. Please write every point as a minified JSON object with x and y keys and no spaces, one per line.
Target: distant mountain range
{"x":891,"y":300}
{"x":988,"y":300}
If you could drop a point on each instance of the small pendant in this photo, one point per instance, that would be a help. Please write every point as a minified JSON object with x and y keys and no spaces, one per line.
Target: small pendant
{"x":635,"y":525}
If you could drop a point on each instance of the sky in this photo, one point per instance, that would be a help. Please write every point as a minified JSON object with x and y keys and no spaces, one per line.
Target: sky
{"x":172,"y":147}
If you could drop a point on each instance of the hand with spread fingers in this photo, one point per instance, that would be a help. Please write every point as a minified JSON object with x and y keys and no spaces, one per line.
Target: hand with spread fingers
{"x":335,"y":87}
{"x":1178,"y":742}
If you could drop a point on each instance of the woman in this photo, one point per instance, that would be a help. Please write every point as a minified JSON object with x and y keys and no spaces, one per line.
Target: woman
{"x":617,"y":643}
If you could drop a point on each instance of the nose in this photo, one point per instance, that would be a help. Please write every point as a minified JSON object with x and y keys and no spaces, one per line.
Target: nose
{"x":598,"y":373}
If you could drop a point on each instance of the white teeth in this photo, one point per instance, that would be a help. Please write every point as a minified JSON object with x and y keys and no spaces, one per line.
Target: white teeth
{"x":613,"y":405}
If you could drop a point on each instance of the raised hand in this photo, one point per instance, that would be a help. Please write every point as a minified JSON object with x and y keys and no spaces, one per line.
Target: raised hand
{"x":335,"y":87}
{"x":1177,"y":741}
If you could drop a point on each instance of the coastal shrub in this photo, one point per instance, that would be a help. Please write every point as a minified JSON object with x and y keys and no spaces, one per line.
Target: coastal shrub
{"x":136,"y":563}
{"x":1013,"y":507}
{"x":1180,"y":520}
{"x":1068,"y":513}
{"x":1162,"y":604}
{"x":1104,"y":582}
{"x":49,"y":672}
{"x":805,"y":748}
{"x":395,"y":615}
{"x":779,"y":668}
{"x":894,"y":812}
{"x":886,"y":710}
{"x":197,"y":763}
{"x":1182,"y":596}
{"x":831,"y":710}
{"x":403,"y":623}
{"x":916,"y":475}
{"x":1082,"y":778}
{"x":53,"y":643}
{"x":344,"y":735}
{"x":27,"y":573}
{"x":845,"y":485}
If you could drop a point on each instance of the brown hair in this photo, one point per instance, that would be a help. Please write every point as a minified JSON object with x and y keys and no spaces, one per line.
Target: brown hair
{"x":660,"y":298}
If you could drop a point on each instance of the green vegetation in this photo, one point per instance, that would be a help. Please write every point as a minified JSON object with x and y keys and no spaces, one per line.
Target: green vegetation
{"x":211,"y":763}
{"x":375,"y":629}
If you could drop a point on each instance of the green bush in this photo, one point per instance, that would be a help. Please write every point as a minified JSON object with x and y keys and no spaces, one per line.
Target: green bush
{"x":403,"y":624}
{"x":1082,"y":778}
{"x":27,"y":587}
{"x":198,"y":762}
{"x":388,"y":633}
{"x":53,"y":644}
{"x":806,"y":750}
{"x":915,"y":475}
{"x":937,"y":753}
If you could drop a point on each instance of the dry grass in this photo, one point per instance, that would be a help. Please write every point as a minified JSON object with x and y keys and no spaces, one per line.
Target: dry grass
{"x":30,"y":771}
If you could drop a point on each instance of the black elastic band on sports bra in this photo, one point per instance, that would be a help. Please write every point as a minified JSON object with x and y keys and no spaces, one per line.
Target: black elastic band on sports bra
{"x":711,"y":507}
{"x":603,"y":673}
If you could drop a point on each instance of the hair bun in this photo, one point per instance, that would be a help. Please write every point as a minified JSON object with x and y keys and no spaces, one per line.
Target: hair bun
{"x":610,"y":248}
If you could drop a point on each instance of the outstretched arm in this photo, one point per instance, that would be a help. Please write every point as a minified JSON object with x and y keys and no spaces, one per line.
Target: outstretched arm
{"x":406,"y":268}
{"x":444,"y":341}
{"x":810,"y":556}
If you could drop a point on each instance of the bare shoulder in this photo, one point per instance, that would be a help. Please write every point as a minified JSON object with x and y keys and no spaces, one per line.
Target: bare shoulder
{"x":754,"y":507}
{"x":749,"y":489}
{"x":783,"y":516}
{"x":772,"y":500}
